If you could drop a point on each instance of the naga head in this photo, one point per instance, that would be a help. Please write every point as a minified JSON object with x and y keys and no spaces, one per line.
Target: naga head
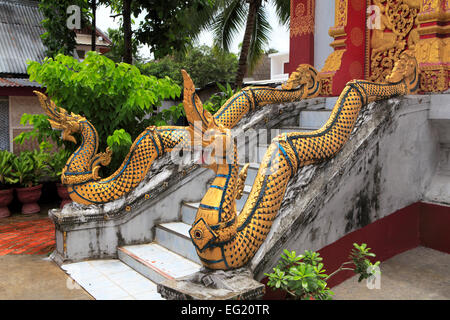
{"x":306,"y":76}
{"x":59,"y":118}
{"x":214,"y":139}
{"x":406,"y":69}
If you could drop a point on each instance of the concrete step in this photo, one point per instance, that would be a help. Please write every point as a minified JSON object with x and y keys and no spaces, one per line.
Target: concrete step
{"x":285,"y":129}
{"x":318,"y":105}
{"x":314,"y":119}
{"x":175,"y":237}
{"x":111,"y":280}
{"x":156,"y":262}
{"x":298,"y":129}
{"x":188,"y":212}
{"x":260,"y":152}
{"x":330,"y":102}
{"x":289,"y":129}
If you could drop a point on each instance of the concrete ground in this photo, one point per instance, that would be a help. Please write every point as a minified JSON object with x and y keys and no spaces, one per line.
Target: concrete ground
{"x":417,"y":274}
{"x":420,"y":273}
{"x":36,"y":277}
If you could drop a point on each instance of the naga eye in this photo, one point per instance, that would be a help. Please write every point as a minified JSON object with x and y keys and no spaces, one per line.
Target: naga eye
{"x":198,"y":234}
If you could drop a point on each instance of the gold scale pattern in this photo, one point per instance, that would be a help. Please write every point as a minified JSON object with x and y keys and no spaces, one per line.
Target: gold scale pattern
{"x":80,"y":173}
{"x":225,"y":240}
{"x":222,"y":239}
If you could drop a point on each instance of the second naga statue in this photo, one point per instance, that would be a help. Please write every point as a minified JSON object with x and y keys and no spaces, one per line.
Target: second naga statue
{"x":223,"y":239}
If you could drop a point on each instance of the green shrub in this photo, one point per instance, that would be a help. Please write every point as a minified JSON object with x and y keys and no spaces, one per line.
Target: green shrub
{"x":30,"y":167}
{"x":303,"y":277}
{"x":217,"y":100}
{"x":56,"y":162}
{"x":6,"y":169}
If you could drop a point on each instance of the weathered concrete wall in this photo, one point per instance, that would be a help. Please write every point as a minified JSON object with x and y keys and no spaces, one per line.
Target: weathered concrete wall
{"x":439,"y":116}
{"x":388,"y":164}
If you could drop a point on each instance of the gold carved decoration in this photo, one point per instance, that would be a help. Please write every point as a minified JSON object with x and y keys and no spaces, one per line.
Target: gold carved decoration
{"x":326,"y":81}
{"x":430,"y":5}
{"x":302,"y":18}
{"x":432,"y":55}
{"x":433,"y":50}
{"x":340,"y":18}
{"x":399,"y":17}
{"x":332,"y":64}
{"x":434,"y":79}
{"x":434,"y":11}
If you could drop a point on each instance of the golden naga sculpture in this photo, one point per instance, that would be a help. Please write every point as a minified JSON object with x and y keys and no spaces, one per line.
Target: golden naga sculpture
{"x":400,"y":17}
{"x":225,"y":240}
{"x":81,"y":171}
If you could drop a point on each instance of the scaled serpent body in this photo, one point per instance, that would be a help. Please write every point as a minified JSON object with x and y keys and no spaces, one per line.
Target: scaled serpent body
{"x":224,"y":239}
{"x":81,"y":171}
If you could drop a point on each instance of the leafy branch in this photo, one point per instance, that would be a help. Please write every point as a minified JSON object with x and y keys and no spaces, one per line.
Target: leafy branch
{"x":303,"y":277}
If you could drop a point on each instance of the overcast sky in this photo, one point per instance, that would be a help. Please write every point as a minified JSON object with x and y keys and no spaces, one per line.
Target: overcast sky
{"x":279,"y":39}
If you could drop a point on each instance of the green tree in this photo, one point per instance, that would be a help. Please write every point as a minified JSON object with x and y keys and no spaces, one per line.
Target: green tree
{"x":204,"y":64}
{"x":233,"y":15}
{"x":168,"y":26}
{"x":171,"y":26}
{"x":111,"y":96}
{"x":164,"y":67}
{"x":58,"y":38}
{"x":118,"y":46}
{"x":93,"y":4}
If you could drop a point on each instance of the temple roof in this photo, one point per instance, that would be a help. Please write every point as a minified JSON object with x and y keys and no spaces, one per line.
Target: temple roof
{"x":18,"y":83}
{"x":20,"y":31}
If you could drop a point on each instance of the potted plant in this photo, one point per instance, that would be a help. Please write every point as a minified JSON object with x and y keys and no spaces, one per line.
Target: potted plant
{"x":303,"y":277}
{"x":28,"y":168}
{"x":6,"y":182}
{"x":56,"y":164}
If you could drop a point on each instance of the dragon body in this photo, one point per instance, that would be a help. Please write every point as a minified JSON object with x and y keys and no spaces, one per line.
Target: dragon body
{"x":226,"y":240}
{"x":81,"y":171}
{"x":223,"y":238}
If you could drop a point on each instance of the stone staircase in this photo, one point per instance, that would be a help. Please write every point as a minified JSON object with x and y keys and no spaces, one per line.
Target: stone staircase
{"x":171,"y":255}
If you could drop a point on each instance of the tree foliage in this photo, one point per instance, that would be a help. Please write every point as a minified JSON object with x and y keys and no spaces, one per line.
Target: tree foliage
{"x":58,"y":38}
{"x":231,"y":16}
{"x":111,"y":96}
{"x":118,"y":46}
{"x":168,"y":26}
{"x":204,"y":64}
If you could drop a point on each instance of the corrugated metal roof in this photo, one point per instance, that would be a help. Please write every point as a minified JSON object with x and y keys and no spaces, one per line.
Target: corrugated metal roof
{"x":18,"y":83}
{"x":20,"y":30}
